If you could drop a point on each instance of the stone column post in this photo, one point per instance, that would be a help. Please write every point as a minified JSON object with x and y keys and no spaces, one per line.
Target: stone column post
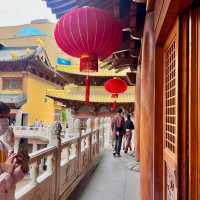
{"x":89,"y":125}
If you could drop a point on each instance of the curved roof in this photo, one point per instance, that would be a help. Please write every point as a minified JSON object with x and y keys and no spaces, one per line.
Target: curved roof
{"x":31,"y":58}
{"x":74,"y":70}
{"x":59,"y":7}
{"x":97,"y":94}
{"x":13,"y":100}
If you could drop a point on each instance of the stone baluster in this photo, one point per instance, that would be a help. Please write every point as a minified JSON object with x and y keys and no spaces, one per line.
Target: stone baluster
{"x":50,"y":164}
{"x":52,"y":135}
{"x":109,"y":128}
{"x":58,"y":130}
{"x":76,"y":127}
{"x":106,"y":132}
{"x":34,"y":146}
{"x":82,"y":144}
{"x":100,"y":125}
{"x":96,"y":122}
{"x":89,"y":125}
{"x":34,"y":172}
{"x":70,"y":126}
{"x":69,"y":152}
{"x":16,"y":146}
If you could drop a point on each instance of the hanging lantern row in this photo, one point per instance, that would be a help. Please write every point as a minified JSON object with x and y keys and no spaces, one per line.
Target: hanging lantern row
{"x":115,"y":86}
{"x":90,"y":34}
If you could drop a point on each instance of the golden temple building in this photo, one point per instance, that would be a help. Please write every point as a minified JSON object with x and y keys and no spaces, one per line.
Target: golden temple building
{"x":19,"y":44}
{"x":25,"y":79}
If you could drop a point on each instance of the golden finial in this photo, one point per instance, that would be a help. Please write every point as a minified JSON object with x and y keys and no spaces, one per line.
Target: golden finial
{"x":13,"y":55}
{"x":40,"y":42}
{"x":28,"y":51}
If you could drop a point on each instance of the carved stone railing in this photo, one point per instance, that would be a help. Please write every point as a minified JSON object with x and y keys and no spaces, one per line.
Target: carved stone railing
{"x":26,"y":131}
{"x":56,"y":171}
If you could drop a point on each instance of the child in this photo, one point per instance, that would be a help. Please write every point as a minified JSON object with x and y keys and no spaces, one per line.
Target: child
{"x":13,"y":167}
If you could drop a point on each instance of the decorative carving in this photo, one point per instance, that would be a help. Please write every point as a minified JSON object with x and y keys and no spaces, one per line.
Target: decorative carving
{"x":171,"y":183}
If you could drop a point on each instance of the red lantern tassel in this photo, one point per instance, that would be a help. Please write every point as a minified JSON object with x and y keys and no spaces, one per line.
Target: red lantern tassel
{"x":87,"y":89}
{"x":114,"y":95}
{"x":114,"y":106}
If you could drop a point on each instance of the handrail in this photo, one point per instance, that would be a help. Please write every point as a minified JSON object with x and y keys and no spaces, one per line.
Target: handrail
{"x":66,"y":164}
{"x":41,"y":153}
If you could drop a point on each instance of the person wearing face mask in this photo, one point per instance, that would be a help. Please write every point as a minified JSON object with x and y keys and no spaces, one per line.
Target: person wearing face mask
{"x":13,"y":167}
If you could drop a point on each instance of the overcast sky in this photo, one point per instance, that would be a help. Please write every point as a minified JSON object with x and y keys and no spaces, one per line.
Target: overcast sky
{"x":15,"y":12}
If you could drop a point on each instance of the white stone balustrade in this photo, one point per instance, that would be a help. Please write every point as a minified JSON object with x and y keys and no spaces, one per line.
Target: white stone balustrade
{"x":67,"y":163}
{"x":76,"y":126}
{"x":88,"y":125}
{"x":96,"y":123}
{"x":35,"y":136}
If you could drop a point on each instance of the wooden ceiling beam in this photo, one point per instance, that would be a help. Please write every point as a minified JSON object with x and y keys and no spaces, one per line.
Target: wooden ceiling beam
{"x":150,"y":5}
{"x":131,"y":78}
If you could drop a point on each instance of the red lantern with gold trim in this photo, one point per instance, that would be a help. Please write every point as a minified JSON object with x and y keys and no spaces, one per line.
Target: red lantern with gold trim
{"x":88,"y":33}
{"x":115,"y":86}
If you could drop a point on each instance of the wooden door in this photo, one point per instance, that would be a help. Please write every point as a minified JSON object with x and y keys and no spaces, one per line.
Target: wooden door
{"x":170,"y":118}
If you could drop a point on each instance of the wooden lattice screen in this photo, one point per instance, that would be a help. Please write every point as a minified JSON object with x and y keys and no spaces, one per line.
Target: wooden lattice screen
{"x":170,"y":98}
{"x":170,"y":128}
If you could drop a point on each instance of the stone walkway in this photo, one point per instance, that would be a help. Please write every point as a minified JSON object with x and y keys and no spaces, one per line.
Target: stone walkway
{"x":113,"y":179}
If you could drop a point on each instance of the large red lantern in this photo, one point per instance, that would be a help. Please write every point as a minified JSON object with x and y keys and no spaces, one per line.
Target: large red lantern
{"x":90,"y":34}
{"x":115,"y":86}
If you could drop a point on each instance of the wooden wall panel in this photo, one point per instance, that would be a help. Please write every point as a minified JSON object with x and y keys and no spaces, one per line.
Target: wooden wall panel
{"x":147,"y":110}
{"x":157,"y":10}
{"x":150,"y":5}
{"x":170,"y":114}
{"x":166,"y":12}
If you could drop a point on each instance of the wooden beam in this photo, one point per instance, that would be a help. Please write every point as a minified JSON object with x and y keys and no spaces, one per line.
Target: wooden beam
{"x":165,"y":13}
{"x":150,"y":5}
{"x":131,"y":77}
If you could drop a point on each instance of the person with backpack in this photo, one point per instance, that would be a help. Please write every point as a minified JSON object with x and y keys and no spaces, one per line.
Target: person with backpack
{"x":118,"y":125}
{"x":129,"y":128}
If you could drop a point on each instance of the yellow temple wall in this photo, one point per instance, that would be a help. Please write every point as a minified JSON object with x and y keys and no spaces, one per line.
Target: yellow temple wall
{"x":38,"y":106}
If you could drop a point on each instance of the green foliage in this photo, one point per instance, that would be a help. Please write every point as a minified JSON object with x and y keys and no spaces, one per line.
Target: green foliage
{"x":64,"y":116}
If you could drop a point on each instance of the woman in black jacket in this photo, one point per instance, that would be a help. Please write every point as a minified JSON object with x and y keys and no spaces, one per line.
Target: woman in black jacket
{"x":129,"y":129}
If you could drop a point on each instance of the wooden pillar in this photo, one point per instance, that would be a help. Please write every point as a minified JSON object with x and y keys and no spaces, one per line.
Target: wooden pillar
{"x":147,"y":109}
{"x":158,"y":131}
{"x":137,"y":114}
{"x":183,"y":106}
{"x":194,"y":105}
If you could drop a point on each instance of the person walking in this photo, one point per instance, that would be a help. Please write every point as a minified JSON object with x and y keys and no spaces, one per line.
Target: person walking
{"x":129,"y":128}
{"x":118,"y":125}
